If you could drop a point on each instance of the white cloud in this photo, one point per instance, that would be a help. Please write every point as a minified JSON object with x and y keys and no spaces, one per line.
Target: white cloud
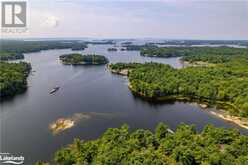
{"x":51,"y":22}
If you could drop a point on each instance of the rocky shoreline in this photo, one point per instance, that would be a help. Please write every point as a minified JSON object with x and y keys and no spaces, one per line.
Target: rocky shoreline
{"x":123,"y":72}
{"x":63,"y":124}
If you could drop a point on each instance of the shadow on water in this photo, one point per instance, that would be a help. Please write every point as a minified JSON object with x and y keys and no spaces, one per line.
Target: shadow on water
{"x":11,"y":99}
{"x":152,"y":102}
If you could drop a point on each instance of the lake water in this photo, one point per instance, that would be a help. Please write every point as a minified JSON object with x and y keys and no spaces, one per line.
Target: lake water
{"x":90,"y":89}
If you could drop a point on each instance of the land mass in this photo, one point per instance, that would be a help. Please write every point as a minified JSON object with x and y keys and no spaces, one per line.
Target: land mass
{"x":214,"y":55}
{"x":63,"y":124}
{"x":112,"y":49}
{"x":184,"y":146}
{"x":79,"y":59}
{"x":13,"y":78}
{"x":221,"y":83}
{"x":14,"y":49}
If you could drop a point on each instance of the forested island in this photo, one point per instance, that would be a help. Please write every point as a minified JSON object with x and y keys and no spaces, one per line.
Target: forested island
{"x":212,"y":146}
{"x":13,"y":78}
{"x":79,"y":59}
{"x":205,"y":54}
{"x":101,"y":42}
{"x":14,"y":49}
{"x":201,"y":42}
{"x":139,"y":47}
{"x":112,"y":49}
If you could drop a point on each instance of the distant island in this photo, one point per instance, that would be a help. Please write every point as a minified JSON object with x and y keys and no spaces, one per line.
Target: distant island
{"x":79,"y":59}
{"x":192,"y":54}
{"x":112,"y":49}
{"x":14,"y":49}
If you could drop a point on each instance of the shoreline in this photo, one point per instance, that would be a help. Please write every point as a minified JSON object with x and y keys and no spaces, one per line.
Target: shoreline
{"x":186,"y":64}
{"x":204,"y":105}
{"x":123,"y":72}
{"x":63,"y":124}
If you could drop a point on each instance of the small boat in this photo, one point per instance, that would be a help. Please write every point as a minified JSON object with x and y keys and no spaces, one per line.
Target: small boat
{"x":55,"y":89}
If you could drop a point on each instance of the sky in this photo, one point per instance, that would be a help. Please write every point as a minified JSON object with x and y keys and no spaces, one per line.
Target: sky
{"x":169,"y":19}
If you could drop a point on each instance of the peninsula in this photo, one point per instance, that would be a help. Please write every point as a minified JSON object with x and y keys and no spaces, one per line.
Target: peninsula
{"x":222,"y":84}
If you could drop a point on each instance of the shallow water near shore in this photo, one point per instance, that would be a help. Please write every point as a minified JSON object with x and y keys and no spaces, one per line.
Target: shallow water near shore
{"x":25,"y":119}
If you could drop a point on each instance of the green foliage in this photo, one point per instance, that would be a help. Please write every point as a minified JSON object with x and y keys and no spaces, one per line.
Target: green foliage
{"x":14,"y":49}
{"x":4,"y":55}
{"x":78,"y":59}
{"x":13,"y":78}
{"x":161,"y":131}
{"x":191,"y":54}
{"x":139,"y":47}
{"x":224,"y":84}
{"x":212,"y":146}
{"x":120,"y":66}
{"x":41,"y":163}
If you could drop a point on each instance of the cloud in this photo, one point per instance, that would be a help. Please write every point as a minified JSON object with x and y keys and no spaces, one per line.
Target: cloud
{"x":51,"y":22}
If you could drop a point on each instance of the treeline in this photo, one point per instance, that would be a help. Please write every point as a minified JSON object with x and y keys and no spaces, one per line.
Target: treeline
{"x":139,"y":47}
{"x":225,"y":84}
{"x":191,"y":54}
{"x":10,"y":56}
{"x":14,"y":49}
{"x":112,"y":49}
{"x":212,"y":146}
{"x":121,"y":66}
{"x":79,"y":59}
{"x":101,"y":42}
{"x":13,"y":78}
{"x":202,"y":42}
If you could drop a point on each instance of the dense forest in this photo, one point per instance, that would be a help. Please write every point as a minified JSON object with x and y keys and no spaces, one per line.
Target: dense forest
{"x":206,"y":54}
{"x":4,"y":56}
{"x":79,"y":59}
{"x":13,"y":78}
{"x":202,"y":42}
{"x":14,"y":49}
{"x":139,"y":47}
{"x":212,"y":146}
{"x":101,"y":42}
{"x":224,"y":84}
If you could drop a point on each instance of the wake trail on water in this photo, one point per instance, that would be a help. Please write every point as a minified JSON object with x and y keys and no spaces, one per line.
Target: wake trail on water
{"x":86,"y":82}
{"x":74,"y":76}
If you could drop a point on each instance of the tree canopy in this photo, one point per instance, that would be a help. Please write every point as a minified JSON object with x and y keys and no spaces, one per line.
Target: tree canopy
{"x":79,"y":59}
{"x":13,"y":78}
{"x":211,"y":146}
{"x":223,"y":84}
{"x":14,"y":49}
{"x":191,"y":54}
